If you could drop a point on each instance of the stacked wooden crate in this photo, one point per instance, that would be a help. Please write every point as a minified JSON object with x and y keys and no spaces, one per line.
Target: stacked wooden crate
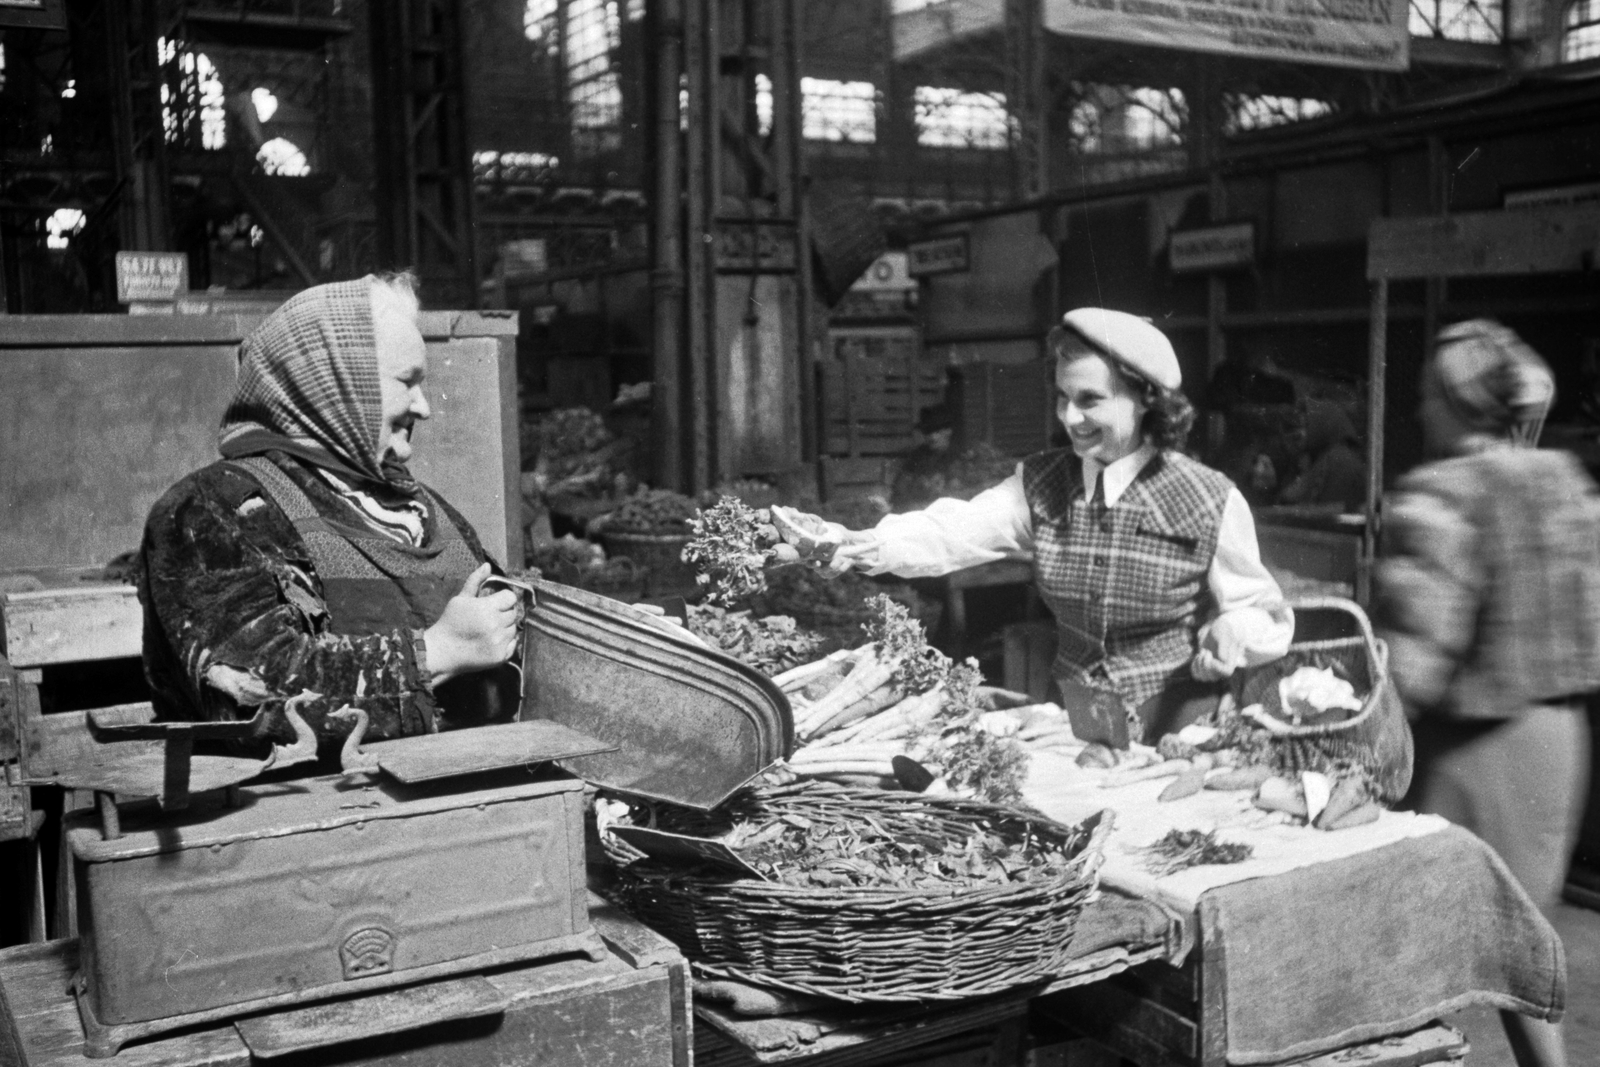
{"x":1010,"y":406}
{"x":874,"y":388}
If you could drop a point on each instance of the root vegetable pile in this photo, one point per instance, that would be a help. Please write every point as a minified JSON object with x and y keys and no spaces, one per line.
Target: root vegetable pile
{"x":854,"y":712}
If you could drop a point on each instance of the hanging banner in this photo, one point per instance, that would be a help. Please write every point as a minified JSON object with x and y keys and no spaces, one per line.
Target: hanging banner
{"x":1364,"y":34}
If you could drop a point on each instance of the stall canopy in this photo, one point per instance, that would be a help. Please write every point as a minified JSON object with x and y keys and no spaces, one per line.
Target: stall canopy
{"x":1358,"y":34}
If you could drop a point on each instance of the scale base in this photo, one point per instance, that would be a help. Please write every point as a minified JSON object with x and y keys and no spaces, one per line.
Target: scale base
{"x":103,"y":1040}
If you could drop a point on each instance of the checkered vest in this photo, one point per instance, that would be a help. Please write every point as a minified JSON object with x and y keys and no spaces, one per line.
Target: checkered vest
{"x":1126,"y":584}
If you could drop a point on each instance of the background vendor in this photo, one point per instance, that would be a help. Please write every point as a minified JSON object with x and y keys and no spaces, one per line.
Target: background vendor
{"x":308,"y":558}
{"x":1147,"y":558}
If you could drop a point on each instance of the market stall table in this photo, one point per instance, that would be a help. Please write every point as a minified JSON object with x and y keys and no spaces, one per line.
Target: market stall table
{"x":1318,"y":941}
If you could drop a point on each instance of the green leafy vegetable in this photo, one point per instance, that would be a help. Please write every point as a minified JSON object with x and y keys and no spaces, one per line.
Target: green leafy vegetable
{"x":1181,"y":849}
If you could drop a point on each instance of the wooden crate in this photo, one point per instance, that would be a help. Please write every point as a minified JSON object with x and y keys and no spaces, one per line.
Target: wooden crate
{"x":873,"y":390}
{"x":1010,"y":406}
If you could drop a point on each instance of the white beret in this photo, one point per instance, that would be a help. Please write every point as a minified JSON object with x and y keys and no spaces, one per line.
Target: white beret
{"x":1130,"y":340}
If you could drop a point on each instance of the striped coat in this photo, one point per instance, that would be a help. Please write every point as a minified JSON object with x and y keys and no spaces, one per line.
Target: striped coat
{"x":1127,"y":584}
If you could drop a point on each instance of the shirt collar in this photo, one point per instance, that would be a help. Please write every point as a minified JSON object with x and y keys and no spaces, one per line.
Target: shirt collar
{"x":1119,"y":474}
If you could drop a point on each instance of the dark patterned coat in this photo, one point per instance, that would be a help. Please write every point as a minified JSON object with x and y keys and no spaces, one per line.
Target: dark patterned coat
{"x":233,"y":603}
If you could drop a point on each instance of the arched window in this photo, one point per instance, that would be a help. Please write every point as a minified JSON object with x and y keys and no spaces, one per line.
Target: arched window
{"x":1581,"y":38}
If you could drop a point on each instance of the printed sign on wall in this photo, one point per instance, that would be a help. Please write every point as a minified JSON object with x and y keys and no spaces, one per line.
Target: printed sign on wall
{"x":151,"y":276}
{"x":938,"y":255}
{"x":1364,"y":34}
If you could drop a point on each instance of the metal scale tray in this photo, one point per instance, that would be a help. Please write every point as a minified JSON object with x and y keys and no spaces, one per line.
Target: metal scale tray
{"x":446,"y":854}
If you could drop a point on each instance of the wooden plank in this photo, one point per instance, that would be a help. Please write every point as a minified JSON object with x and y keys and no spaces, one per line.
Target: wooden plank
{"x":34,"y":980}
{"x":58,"y":744}
{"x":636,"y":943}
{"x":72,"y":625}
{"x":1542,"y":241}
{"x":1213,"y":971}
{"x":487,"y":748}
{"x":394,"y":1011}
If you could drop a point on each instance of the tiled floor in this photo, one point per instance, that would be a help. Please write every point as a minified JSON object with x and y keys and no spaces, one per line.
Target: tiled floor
{"x":1580,"y":930}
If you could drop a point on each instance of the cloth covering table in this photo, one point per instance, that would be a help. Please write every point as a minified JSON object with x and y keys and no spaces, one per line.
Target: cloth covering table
{"x":1330,"y":938}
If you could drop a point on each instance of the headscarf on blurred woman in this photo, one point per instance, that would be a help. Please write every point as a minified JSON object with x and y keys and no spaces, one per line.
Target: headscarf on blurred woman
{"x":1489,"y":597}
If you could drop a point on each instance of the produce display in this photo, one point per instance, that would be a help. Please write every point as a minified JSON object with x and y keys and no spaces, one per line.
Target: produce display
{"x":577,"y":454}
{"x":1236,"y":758}
{"x":731,"y":547}
{"x":926,"y":477}
{"x":650,"y":511}
{"x":852,"y":848}
{"x":857,"y":711}
{"x":770,"y":645}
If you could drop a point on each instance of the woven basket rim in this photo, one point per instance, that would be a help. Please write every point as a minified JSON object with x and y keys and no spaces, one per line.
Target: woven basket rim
{"x":650,"y":538}
{"x":1377,"y":672}
{"x":1090,"y":855}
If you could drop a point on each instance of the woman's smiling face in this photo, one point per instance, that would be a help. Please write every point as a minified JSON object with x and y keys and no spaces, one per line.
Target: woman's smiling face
{"x":1101,"y":411}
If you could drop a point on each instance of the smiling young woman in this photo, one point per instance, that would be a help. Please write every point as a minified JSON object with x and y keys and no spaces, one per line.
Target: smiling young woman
{"x":1146,"y":557}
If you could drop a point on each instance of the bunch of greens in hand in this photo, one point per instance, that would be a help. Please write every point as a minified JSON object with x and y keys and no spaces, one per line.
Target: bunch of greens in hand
{"x":731,"y":547}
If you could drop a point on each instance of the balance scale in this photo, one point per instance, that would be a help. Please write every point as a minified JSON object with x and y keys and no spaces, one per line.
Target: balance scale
{"x":429,"y":857}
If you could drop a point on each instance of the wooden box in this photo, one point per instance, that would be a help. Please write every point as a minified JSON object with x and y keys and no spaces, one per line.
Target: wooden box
{"x":1010,"y":406}
{"x":321,"y":887}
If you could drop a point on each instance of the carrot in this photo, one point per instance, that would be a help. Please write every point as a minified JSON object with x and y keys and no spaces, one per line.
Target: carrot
{"x":880,"y":699}
{"x":1237,"y":778}
{"x":1168,"y":769}
{"x":1186,"y":784}
{"x":834,"y":753}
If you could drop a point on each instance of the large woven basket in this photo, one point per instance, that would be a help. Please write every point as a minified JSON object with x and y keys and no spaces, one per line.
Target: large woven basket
{"x":661,"y":556}
{"x":1377,"y":738}
{"x":867,"y":944}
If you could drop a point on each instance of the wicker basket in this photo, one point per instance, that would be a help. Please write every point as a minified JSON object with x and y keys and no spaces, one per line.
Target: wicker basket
{"x":1377,"y":737}
{"x":661,"y":556}
{"x":863,"y":944}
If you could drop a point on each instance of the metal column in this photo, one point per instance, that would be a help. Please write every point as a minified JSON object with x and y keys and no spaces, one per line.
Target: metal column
{"x":424,"y":173}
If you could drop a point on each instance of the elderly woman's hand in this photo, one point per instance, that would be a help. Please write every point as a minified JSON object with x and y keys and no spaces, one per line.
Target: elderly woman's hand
{"x":474,"y":633}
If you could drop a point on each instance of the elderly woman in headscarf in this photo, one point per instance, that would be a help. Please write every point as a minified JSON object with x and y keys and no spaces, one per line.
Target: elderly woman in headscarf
{"x":1489,"y":597}
{"x":1147,"y":558}
{"x":308,"y":560}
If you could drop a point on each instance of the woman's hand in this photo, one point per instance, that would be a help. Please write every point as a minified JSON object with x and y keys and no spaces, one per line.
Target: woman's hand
{"x":474,"y":633}
{"x":1220,"y":654}
{"x":859,"y":550}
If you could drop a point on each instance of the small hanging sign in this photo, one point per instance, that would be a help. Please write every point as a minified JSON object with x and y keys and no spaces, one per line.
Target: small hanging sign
{"x":1212,"y":248}
{"x":144,"y":277}
{"x":938,"y":255}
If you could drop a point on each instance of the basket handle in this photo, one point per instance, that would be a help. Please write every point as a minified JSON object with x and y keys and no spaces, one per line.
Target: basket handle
{"x":1378,"y":650}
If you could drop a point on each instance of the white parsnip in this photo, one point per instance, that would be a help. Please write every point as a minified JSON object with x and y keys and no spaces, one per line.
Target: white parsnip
{"x":796,"y":678}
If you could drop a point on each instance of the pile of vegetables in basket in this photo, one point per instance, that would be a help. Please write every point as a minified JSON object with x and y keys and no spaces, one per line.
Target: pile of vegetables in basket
{"x":770,"y":645}
{"x":649,"y":511}
{"x":584,"y":564}
{"x":577,"y":454}
{"x":855,"y":711}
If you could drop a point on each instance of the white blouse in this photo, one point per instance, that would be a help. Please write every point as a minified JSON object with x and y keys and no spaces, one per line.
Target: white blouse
{"x":1253,"y":625}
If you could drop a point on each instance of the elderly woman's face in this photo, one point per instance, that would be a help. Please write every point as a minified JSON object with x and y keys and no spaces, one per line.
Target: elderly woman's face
{"x":1100,"y":410}
{"x":401,"y":367}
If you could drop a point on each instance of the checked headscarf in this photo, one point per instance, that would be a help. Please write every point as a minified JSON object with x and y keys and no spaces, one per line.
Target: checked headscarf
{"x":309,"y":386}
